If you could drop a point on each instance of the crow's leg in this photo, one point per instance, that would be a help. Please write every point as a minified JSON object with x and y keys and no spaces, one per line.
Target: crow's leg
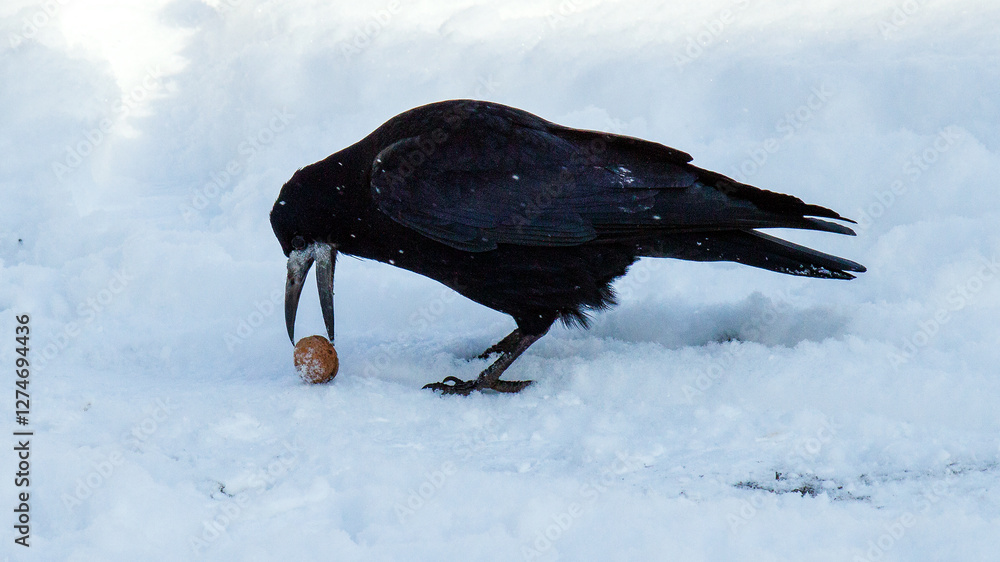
{"x":503,"y":346}
{"x":513,"y":346}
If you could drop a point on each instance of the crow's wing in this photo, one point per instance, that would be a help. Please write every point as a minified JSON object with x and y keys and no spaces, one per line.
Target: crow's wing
{"x":503,"y":176}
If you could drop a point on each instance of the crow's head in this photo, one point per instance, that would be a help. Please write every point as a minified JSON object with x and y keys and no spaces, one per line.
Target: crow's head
{"x":302,"y":219}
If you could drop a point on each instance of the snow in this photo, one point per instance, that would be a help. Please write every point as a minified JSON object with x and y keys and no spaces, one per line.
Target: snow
{"x":719,"y":413}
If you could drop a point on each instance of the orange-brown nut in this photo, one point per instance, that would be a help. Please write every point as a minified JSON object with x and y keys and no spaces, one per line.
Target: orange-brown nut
{"x":316,"y":359}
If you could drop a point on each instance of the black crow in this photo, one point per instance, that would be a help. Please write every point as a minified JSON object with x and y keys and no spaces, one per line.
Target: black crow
{"x":527,"y":217}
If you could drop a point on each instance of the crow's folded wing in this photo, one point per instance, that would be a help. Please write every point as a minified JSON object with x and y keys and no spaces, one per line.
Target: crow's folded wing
{"x":500,"y":176}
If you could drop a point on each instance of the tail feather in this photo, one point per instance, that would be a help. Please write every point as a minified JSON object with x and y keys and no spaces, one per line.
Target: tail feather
{"x":827,"y":226}
{"x":752,"y":248}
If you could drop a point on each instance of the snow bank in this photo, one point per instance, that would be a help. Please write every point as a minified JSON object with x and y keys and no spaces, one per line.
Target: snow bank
{"x":719,"y":413}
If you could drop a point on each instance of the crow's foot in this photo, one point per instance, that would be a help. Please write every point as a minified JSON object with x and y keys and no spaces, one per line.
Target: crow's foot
{"x":509,"y":348}
{"x":455,"y":385}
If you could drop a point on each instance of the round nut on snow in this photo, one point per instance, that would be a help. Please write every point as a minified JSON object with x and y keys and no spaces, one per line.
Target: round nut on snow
{"x":316,"y":359}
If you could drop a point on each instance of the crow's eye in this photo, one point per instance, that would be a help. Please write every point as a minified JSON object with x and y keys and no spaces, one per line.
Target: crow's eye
{"x":298,"y":243}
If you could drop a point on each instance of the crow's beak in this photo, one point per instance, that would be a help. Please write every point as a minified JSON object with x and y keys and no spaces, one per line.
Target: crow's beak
{"x":299,"y":262}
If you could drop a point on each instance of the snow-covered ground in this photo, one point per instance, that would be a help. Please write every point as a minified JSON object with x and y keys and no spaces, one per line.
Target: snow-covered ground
{"x":720,"y":413}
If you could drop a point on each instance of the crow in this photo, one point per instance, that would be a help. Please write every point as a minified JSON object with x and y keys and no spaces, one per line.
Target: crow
{"x":527,"y":217}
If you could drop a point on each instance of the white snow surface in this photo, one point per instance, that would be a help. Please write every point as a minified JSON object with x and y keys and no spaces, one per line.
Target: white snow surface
{"x":719,"y":413}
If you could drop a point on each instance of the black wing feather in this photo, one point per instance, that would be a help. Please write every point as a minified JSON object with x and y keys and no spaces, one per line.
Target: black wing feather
{"x":503,"y":176}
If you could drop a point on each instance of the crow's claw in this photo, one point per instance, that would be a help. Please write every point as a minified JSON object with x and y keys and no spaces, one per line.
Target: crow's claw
{"x":457,"y":386}
{"x":510,"y":386}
